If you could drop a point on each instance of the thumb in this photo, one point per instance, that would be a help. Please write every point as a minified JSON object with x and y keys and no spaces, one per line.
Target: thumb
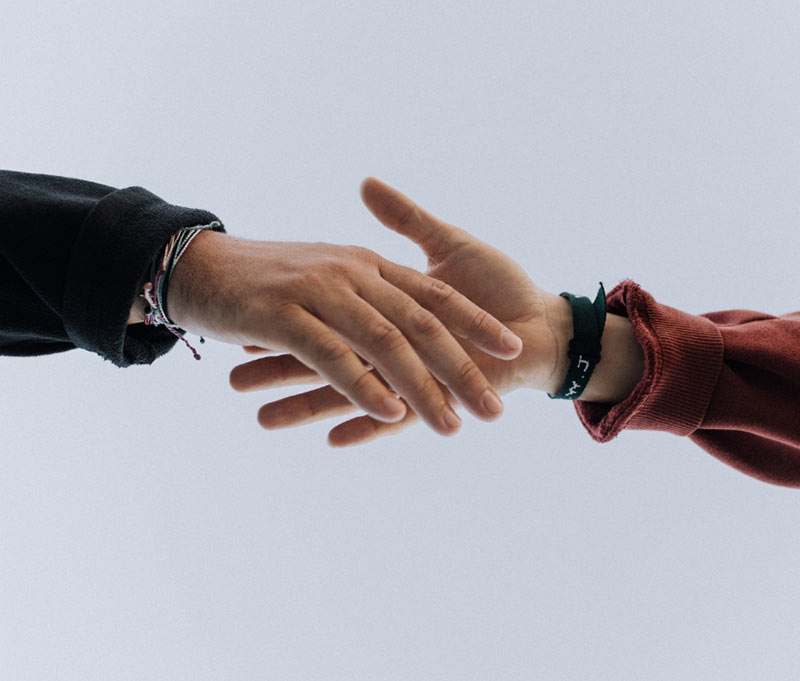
{"x":398,"y":212}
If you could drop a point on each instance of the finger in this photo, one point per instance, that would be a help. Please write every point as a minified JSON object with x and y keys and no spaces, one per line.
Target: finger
{"x":256,"y":350}
{"x":362,"y":429}
{"x":400,"y":213}
{"x":383,"y":344}
{"x":456,"y":311}
{"x":307,"y":407}
{"x":312,"y":405}
{"x":271,"y":372}
{"x":316,"y":346}
{"x":442,"y":354}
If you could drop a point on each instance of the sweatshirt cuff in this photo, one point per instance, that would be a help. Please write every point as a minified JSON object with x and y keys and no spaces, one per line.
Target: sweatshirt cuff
{"x":110,"y":263}
{"x":683,"y":360}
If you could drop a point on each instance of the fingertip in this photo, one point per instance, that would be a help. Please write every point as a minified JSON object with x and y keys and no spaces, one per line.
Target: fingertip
{"x":492,"y":404}
{"x":264,"y":420}
{"x":511,"y":342}
{"x":507,"y":348}
{"x":332,"y":442}
{"x":507,"y":355}
{"x":499,"y":352}
{"x":393,"y":409}
{"x":366,"y":184}
{"x":232,"y":380}
{"x":338,"y":439}
{"x":451,"y":420}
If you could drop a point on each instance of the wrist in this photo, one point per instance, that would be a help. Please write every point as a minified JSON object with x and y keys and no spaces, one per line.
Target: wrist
{"x":545,"y":337}
{"x":559,"y":321}
{"x":621,"y":365}
{"x":188,"y":281}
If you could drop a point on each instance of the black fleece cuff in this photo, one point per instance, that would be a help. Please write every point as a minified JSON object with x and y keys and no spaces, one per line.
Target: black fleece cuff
{"x":110,"y":263}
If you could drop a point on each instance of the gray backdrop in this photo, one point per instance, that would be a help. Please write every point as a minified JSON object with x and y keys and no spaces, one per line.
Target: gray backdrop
{"x":150,"y":529}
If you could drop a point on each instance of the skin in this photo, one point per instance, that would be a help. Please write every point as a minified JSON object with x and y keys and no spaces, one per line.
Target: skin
{"x":493,"y":281}
{"x":337,"y":308}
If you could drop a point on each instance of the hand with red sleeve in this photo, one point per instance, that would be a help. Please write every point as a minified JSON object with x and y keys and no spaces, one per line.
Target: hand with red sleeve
{"x":491,"y":280}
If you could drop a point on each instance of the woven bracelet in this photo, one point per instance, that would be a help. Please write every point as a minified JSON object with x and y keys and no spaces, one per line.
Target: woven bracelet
{"x":155,"y":291}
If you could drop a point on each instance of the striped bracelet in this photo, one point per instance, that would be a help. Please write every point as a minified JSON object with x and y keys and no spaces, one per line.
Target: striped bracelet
{"x":155,"y":290}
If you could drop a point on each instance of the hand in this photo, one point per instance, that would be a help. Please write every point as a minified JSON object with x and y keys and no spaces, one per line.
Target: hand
{"x":324,"y":303}
{"x":484,"y":274}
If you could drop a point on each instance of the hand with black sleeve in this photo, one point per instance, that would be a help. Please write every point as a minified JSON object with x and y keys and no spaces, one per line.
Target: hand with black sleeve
{"x":76,"y":254}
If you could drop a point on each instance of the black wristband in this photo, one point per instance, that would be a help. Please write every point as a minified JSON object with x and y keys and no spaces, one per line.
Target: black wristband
{"x":588,"y":322}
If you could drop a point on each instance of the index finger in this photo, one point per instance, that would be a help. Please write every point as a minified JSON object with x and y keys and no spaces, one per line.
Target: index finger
{"x":457,"y":312}
{"x":318,"y":347}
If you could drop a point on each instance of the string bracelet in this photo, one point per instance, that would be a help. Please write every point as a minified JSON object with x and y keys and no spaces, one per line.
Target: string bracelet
{"x":155,"y":290}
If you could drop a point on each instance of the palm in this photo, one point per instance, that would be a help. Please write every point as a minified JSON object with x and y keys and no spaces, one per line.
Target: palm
{"x":492,"y":280}
{"x":496,"y":283}
{"x":482,"y":273}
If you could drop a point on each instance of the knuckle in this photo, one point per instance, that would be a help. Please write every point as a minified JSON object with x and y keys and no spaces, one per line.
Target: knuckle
{"x":428,"y":387}
{"x":468,"y":372}
{"x":352,"y":261}
{"x":482,"y":321}
{"x":235,"y":379}
{"x":311,"y":280}
{"x":362,"y":253}
{"x":283,"y":320}
{"x":388,"y":337}
{"x":330,"y":350}
{"x":440,"y":292}
{"x":360,"y":385}
{"x":409,"y":214}
{"x":310,"y":407}
{"x":425,"y":323}
{"x":329,"y":276}
{"x":332,"y":265}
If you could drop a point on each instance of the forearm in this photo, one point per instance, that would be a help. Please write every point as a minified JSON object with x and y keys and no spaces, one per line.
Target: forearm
{"x":621,"y":365}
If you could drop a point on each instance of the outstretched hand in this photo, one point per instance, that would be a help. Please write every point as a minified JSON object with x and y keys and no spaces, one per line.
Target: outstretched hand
{"x":335,"y":309}
{"x":485,"y":275}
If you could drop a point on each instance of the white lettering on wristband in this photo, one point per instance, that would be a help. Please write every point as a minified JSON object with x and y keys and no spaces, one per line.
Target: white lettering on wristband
{"x":575,"y":386}
{"x":583,"y":361}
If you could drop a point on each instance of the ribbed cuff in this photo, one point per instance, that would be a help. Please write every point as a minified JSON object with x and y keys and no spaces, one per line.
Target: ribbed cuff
{"x":683,"y":359}
{"x":110,"y":262}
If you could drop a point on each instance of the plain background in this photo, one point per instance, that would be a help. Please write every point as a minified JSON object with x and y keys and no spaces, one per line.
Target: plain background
{"x":150,"y":529}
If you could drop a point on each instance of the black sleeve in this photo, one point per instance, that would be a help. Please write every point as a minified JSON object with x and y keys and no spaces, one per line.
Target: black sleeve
{"x":73,"y":257}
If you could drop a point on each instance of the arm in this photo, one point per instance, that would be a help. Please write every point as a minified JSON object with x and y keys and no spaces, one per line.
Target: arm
{"x":727,"y":380}
{"x":73,"y":255}
{"x":730,"y":380}
{"x":336,"y":307}
{"x":77,"y":254}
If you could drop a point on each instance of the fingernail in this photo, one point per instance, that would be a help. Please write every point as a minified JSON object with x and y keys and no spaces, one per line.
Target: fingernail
{"x":491,"y":402}
{"x":450,"y":418}
{"x":511,"y":341}
{"x":394,"y":407}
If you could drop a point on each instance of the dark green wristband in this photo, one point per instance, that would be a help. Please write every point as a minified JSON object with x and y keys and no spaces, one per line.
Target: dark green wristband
{"x":588,"y":322}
